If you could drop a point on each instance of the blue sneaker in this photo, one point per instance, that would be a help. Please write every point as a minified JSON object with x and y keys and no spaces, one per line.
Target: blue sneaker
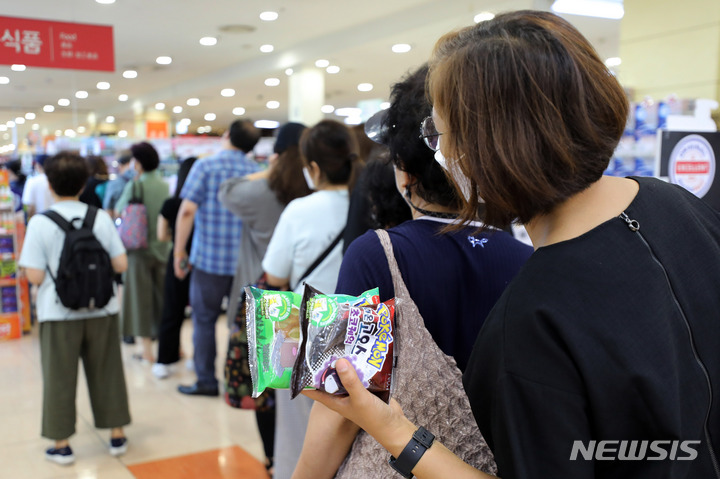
{"x":63,"y":456}
{"x":118,"y":446}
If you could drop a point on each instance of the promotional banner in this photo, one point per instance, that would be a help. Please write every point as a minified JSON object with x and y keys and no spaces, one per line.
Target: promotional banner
{"x":41,"y":43}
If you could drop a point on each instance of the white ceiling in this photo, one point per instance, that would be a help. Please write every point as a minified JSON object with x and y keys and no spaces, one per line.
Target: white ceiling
{"x":354,"y":35}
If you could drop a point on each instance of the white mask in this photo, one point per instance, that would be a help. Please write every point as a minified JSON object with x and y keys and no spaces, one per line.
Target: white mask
{"x":456,"y":174}
{"x":308,"y":178}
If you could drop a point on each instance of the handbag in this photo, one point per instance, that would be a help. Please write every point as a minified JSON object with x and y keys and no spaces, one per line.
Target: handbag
{"x":133,"y":227}
{"x":428,"y":386}
{"x":238,"y":384}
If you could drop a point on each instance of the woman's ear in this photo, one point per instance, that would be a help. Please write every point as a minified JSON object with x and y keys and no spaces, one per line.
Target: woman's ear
{"x":402,"y":179}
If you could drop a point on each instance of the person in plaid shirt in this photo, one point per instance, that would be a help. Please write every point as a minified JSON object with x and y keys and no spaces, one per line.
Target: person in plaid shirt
{"x":215,"y":246}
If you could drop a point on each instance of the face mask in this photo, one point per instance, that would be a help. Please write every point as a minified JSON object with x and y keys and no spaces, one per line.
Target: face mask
{"x":456,"y":174}
{"x":308,"y":178}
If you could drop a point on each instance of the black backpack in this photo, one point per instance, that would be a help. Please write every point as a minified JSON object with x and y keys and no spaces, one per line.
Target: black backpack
{"x":85,"y":274}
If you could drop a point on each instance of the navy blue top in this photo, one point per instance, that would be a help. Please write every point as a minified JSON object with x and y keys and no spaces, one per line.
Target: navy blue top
{"x":453,"y":278}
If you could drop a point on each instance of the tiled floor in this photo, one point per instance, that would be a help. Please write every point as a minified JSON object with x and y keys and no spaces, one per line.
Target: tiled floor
{"x":171,"y":436}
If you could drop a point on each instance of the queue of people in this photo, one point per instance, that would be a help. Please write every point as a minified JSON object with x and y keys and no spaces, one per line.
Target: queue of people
{"x":598,"y":333}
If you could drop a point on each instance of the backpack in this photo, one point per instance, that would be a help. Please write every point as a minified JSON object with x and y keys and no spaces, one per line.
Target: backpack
{"x":85,"y":274}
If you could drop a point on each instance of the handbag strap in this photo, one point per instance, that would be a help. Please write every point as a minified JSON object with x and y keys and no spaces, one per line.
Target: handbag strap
{"x":320,"y":258}
{"x":401,"y":290}
{"x":134,"y":198}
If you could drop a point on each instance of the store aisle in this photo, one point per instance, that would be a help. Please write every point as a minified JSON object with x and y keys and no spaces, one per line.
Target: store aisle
{"x":171,"y":436}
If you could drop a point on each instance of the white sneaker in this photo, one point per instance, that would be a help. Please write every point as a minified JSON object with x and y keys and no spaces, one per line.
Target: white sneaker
{"x":161,"y":371}
{"x":63,"y":456}
{"x":118,"y":446}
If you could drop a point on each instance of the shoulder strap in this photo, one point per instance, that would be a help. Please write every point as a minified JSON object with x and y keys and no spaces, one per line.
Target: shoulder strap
{"x":401,"y":290}
{"x":89,"y":220}
{"x":59,"y":220}
{"x":322,"y":256}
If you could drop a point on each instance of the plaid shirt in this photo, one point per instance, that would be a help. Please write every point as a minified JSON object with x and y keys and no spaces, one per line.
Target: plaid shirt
{"x":216,"y":238}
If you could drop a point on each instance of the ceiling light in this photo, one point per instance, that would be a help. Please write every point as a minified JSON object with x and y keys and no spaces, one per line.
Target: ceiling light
{"x":484,"y":17}
{"x":18,"y":68}
{"x":288,"y":71}
{"x":186,"y":121}
{"x":159,"y":106}
{"x":353,"y":120}
{"x":81,"y":94}
{"x":327,"y":108}
{"x":80,"y":129}
{"x":612,"y":9}
{"x":177,"y":109}
{"x":266,"y":124}
{"x":48,"y":108}
{"x":613,"y":62}
{"x":210,"y":116}
{"x":332,"y":69}
{"x":129,"y":74}
{"x":105,"y":2}
{"x":193,"y":101}
{"x":4,"y":80}
{"x":163,"y":60}
{"x":122,"y":133}
{"x":70,"y":133}
{"x":35,"y":127}
{"x":348,"y":112}
{"x":272,"y":81}
{"x":273,"y":105}
{"x":201,"y":129}
{"x":123,"y":97}
{"x":322,"y":63}
{"x":385,"y":105}
{"x":238,"y":111}
{"x":58,"y":132}
{"x":64,"y":102}
{"x":103,"y":85}
{"x":401,"y":48}
{"x":365,"y":87}
{"x":109,"y":119}
{"x":269,"y":16}
{"x":30,"y":116}
{"x":266,"y":48}
{"x":227,"y":92}
{"x":208,"y":41}
{"x":10,"y":124}
{"x":19,"y":120}
{"x":3,"y":127}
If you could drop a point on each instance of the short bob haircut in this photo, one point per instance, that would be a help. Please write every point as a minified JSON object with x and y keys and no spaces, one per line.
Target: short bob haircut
{"x":334,"y":148}
{"x":146,"y":155}
{"x":67,"y":173}
{"x":532,"y":113}
{"x":286,"y":177}
{"x":243,"y":135}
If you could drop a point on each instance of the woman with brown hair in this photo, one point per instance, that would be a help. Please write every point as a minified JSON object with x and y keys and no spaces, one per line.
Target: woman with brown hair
{"x":606,"y":346}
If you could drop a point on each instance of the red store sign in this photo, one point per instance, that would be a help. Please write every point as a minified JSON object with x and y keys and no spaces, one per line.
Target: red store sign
{"x":40,"y":43}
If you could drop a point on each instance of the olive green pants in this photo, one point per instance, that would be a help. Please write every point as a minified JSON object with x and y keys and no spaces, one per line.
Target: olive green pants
{"x":97,"y":342}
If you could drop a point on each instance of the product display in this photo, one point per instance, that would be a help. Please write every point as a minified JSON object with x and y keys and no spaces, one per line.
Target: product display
{"x":361,"y":331}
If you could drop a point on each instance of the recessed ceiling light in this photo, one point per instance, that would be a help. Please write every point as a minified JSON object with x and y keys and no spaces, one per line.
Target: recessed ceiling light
{"x":484,"y":17}
{"x":385,"y":105}
{"x":208,"y":41}
{"x":177,"y":109}
{"x":18,"y":68}
{"x":30,"y":116}
{"x":269,"y":16}
{"x":64,"y":102}
{"x":210,"y":116}
{"x":288,"y":71}
{"x":186,"y":121}
{"x":164,"y":60}
{"x":10,"y":124}
{"x":273,"y":105}
{"x":35,"y":127}
{"x":353,"y":120}
{"x":80,"y":129}
{"x":105,"y":2}
{"x":348,"y":112}
{"x":3,"y":127}
{"x":129,"y":74}
{"x":327,"y":108}
{"x":332,"y":69}
{"x":70,"y":133}
{"x":122,"y":97}
{"x":58,"y":132}
{"x":272,"y":81}
{"x":122,"y":133}
{"x":266,"y":48}
{"x":4,"y":80}
{"x":81,"y":94}
{"x":266,"y":124}
{"x":365,"y":87}
{"x":48,"y":108}
{"x":103,"y":85}
{"x":401,"y":48}
{"x":227,"y":92}
{"x":19,"y":120}
{"x":613,"y":62}
{"x":159,"y":106}
{"x":193,"y":101}
{"x":238,"y":111}
{"x":109,"y":119}
{"x":322,"y":63}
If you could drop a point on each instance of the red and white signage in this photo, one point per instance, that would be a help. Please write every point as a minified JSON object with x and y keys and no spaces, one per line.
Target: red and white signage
{"x":40,"y":43}
{"x":692,"y":164}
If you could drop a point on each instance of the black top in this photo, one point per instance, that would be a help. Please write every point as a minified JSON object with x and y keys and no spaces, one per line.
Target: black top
{"x":169,"y":211}
{"x":454,"y":278}
{"x":613,"y":335}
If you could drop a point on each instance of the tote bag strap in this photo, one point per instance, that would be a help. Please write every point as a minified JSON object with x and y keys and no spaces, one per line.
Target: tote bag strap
{"x":401,"y":290}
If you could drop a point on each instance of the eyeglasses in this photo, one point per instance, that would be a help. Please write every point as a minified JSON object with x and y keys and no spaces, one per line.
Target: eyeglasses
{"x":429,"y":133}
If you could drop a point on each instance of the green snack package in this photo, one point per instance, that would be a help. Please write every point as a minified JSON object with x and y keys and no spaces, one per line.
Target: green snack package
{"x":273,"y":333}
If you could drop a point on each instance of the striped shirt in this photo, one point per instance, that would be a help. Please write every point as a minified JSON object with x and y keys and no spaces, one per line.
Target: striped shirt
{"x":216,"y":237}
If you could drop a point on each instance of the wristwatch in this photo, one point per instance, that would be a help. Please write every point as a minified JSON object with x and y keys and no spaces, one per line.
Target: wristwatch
{"x":421,"y":441}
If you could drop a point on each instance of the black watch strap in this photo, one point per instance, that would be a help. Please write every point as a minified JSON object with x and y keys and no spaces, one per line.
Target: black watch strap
{"x":407,"y":460}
